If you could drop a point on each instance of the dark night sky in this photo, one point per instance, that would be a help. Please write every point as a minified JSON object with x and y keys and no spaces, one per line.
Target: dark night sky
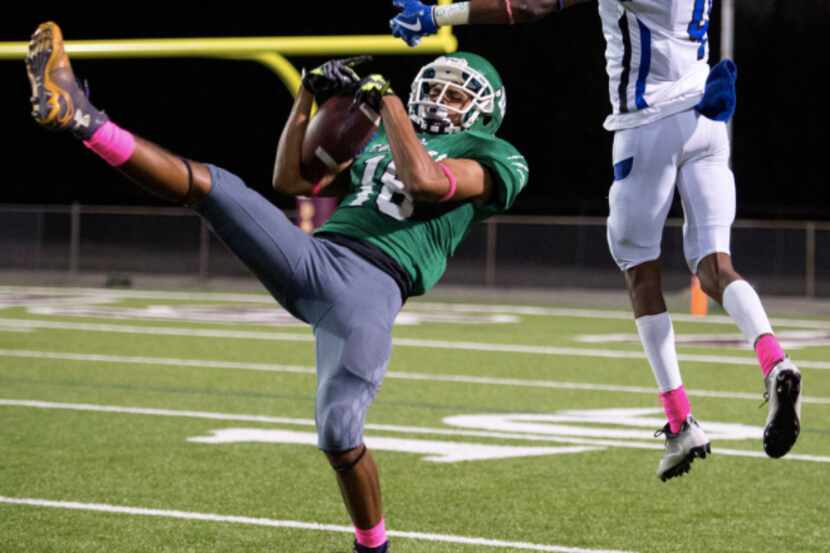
{"x":231,"y":113}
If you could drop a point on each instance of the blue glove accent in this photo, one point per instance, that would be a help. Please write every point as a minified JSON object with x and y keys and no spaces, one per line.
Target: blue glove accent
{"x":719,"y":97}
{"x":414,"y":22}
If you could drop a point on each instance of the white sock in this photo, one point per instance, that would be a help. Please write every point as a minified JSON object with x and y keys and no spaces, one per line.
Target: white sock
{"x":744,"y":306}
{"x":657,"y":335}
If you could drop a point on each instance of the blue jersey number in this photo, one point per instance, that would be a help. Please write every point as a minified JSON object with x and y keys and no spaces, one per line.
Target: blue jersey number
{"x":699,"y":26}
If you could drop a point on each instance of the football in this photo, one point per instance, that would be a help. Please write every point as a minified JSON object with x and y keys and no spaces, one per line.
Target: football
{"x":338,"y":132}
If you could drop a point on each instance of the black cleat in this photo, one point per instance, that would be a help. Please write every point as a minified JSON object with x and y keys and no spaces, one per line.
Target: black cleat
{"x":686,"y":464}
{"x":682,"y":448}
{"x":783,"y":393}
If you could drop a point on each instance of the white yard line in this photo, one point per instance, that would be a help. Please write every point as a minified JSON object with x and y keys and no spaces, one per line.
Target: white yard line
{"x":415,"y":306}
{"x":402,"y":342}
{"x":290,"y":524}
{"x":587,"y":352}
{"x":207,"y":415}
{"x":143,"y":294}
{"x":423,"y":377}
{"x":604,"y":314}
{"x":159,"y":361}
{"x":156,"y":330}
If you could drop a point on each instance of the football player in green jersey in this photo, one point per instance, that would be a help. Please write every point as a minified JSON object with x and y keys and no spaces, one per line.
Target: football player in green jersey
{"x":434,"y":168}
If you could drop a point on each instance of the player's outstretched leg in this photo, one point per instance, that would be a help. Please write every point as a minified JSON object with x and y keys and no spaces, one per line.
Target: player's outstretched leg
{"x":782,"y":379}
{"x":59,"y":103}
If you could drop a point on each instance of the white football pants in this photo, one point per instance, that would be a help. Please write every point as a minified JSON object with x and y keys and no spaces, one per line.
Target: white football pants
{"x":689,"y":151}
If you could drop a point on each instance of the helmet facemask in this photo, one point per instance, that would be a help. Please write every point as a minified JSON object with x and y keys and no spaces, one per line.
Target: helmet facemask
{"x":444,"y":76}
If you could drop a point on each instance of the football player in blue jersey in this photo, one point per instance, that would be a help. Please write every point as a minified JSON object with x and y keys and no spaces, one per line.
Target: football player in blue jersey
{"x":669,"y":122}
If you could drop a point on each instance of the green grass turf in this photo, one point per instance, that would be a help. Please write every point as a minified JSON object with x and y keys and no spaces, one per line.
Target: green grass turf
{"x":607,"y":499}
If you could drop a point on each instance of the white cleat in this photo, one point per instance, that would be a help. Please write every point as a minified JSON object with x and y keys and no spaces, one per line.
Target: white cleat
{"x":682,"y":448}
{"x":783,"y":392}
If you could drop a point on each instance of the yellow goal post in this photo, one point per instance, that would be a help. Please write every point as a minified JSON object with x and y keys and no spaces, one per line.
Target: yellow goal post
{"x":269,"y":51}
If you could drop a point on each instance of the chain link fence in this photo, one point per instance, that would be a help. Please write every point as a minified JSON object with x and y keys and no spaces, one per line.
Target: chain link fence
{"x":778,"y":257}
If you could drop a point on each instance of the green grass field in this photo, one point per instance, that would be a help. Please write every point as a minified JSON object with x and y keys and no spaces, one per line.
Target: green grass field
{"x":129,"y":424}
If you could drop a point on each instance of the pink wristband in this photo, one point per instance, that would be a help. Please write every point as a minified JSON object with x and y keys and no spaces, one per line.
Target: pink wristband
{"x":509,"y":7}
{"x":315,"y":190}
{"x":453,"y":183}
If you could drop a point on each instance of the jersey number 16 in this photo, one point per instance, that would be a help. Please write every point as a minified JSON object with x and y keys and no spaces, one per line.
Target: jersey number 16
{"x":392,"y":199}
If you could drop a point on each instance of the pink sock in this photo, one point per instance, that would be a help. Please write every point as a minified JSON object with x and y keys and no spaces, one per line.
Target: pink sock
{"x":769,"y":353}
{"x":373,"y":537}
{"x":112,"y":143}
{"x":677,"y":407}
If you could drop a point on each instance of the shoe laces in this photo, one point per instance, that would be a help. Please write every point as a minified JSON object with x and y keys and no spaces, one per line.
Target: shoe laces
{"x":664,"y":431}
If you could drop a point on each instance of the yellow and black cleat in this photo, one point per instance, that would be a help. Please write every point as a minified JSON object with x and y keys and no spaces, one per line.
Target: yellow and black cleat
{"x":58,"y":101}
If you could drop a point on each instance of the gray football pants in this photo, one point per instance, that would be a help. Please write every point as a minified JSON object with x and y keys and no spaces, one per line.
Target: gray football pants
{"x":350,"y":303}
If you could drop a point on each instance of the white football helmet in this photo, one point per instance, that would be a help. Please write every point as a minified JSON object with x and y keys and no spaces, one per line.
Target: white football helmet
{"x":468,"y":73}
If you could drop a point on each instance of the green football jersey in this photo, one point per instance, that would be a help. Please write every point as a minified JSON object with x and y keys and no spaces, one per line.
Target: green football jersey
{"x":421,"y":236}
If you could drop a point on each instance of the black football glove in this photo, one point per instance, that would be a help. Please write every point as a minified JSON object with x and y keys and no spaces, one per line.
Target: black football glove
{"x":333,"y":77}
{"x":371,"y":91}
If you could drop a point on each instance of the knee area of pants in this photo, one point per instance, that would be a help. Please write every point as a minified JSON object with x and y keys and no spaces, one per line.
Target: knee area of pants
{"x":628,"y":253}
{"x":633,"y":257}
{"x":340,"y":426}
